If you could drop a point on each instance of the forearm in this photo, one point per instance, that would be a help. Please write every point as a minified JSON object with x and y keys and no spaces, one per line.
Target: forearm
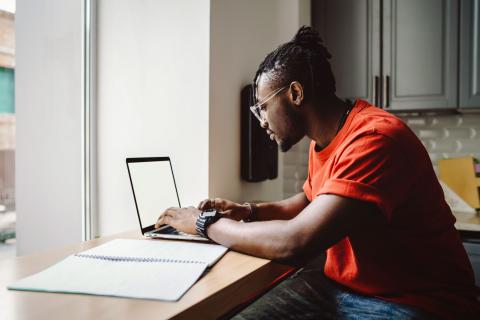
{"x":281,"y":210}
{"x":321,"y":224}
{"x":268,"y":239}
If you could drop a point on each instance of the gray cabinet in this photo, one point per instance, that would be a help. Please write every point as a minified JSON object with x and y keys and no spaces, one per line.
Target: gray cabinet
{"x":400,"y":55}
{"x":473,"y":251}
{"x":420,"y":45}
{"x":350,"y":29}
{"x":469,"y":54}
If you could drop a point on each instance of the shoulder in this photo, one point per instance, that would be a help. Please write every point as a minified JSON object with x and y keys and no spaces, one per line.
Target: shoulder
{"x":371,"y":122}
{"x":374,"y":131}
{"x":371,"y":119}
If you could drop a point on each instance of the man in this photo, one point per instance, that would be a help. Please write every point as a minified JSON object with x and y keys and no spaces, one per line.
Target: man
{"x":371,"y":199}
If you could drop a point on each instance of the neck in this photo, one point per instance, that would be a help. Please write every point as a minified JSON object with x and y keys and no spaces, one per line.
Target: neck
{"x":324,"y":119}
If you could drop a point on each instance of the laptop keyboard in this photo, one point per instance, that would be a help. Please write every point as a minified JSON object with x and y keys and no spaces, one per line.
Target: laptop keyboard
{"x":170,"y":230}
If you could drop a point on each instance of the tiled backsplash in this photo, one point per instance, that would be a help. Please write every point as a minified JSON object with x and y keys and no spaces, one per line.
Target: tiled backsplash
{"x":447,"y":136}
{"x":295,"y":168}
{"x":444,"y":136}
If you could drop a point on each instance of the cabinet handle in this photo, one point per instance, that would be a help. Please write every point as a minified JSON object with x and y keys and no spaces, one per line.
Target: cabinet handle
{"x":387,"y":92}
{"x":375,"y":90}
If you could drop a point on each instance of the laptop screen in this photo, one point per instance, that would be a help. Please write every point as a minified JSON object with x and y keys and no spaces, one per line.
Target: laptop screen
{"x":153,"y":186}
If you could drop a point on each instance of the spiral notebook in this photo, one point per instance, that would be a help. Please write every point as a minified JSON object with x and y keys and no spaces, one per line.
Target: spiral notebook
{"x":142,"y":269}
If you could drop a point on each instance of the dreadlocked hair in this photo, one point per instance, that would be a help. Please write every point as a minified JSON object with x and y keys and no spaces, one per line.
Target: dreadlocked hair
{"x":303,"y":59}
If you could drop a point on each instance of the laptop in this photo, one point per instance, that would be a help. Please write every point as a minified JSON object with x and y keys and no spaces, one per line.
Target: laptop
{"x":154,"y":190}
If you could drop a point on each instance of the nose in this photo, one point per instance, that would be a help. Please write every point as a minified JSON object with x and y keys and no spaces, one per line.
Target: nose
{"x":264,"y":124}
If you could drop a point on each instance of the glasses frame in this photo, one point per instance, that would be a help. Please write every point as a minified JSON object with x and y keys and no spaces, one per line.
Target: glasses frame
{"x":258,"y":107}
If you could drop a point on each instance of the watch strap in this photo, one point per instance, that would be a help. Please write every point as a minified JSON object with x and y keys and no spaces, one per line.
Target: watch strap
{"x":204,"y":220}
{"x":253,"y":211}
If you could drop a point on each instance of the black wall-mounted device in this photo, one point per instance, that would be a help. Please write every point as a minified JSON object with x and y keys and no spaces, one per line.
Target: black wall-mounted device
{"x":259,"y":154}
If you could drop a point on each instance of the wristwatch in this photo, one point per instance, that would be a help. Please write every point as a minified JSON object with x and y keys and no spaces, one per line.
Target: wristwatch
{"x":253,"y":212}
{"x":205,"y":219}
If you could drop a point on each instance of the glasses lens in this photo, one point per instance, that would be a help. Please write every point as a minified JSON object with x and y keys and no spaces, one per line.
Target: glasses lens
{"x":256,"y":109}
{"x":256,"y":112}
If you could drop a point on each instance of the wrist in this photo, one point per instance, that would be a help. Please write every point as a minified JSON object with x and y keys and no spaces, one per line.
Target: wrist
{"x":205,"y":220}
{"x":251,"y":211}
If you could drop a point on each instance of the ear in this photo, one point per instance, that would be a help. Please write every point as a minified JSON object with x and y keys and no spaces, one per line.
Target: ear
{"x":296,"y":90}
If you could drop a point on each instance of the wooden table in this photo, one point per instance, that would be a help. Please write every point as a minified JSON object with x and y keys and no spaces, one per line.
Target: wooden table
{"x":233,"y":281}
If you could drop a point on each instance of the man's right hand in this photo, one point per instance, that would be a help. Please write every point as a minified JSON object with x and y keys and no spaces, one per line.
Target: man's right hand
{"x":227,"y":208}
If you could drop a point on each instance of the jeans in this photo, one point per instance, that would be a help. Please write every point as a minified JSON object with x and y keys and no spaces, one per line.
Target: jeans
{"x":308,"y":294}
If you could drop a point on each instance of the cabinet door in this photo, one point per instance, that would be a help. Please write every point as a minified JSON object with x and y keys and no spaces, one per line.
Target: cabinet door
{"x":351,"y":31}
{"x":473,"y":251}
{"x":469,"y":54}
{"x":420,"y":49}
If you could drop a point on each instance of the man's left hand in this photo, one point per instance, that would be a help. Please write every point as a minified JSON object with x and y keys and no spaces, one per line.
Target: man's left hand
{"x":182,"y":219}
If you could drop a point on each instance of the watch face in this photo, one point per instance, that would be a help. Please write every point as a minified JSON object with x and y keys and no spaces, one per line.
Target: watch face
{"x":209,"y":213}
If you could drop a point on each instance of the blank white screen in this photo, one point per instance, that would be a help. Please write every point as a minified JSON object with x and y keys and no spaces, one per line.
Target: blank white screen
{"x":154,"y":189}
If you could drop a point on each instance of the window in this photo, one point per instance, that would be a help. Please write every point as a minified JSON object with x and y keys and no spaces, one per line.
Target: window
{"x":7,"y":129}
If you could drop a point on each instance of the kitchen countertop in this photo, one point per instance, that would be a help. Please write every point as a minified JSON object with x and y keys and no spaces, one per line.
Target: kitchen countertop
{"x":467,"y":221}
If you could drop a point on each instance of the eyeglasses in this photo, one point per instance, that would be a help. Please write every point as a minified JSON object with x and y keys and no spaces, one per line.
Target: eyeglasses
{"x":258,"y":108}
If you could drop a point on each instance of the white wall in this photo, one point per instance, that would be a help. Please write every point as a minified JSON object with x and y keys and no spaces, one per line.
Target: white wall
{"x":153,"y":85}
{"x":48,"y":111}
{"x":158,"y":64}
{"x":242,"y":33}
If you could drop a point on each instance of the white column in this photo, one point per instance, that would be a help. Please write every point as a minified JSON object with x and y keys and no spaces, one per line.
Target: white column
{"x":48,"y":112}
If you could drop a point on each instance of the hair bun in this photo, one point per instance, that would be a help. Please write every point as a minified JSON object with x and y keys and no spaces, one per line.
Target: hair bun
{"x":308,"y":37}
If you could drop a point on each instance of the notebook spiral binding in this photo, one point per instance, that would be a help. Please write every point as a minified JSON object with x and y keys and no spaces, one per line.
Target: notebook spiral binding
{"x":136,"y":259}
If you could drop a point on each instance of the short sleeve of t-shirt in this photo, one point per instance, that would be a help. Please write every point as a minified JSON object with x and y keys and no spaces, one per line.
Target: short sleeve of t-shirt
{"x":371,"y":168}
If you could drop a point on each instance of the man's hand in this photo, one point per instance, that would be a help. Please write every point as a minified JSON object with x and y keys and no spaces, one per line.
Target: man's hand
{"x":227,"y":208}
{"x":182,"y":219}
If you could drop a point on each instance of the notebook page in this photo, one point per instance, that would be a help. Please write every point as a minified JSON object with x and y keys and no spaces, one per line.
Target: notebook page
{"x":168,"y":250}
{"x":143,"y":280}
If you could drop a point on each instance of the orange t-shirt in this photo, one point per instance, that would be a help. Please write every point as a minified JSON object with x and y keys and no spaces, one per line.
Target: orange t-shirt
{"x":417,"y":258}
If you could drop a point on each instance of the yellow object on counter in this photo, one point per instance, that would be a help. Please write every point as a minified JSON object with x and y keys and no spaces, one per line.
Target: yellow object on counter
{"x":459,"y":174}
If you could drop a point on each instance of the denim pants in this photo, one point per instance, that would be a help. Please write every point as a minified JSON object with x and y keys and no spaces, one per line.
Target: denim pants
{"x":308,"y":294}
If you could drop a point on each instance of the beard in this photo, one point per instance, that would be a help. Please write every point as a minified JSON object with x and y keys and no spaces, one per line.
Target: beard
{"x":295,"y":126}
{"x":285,"y":145}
